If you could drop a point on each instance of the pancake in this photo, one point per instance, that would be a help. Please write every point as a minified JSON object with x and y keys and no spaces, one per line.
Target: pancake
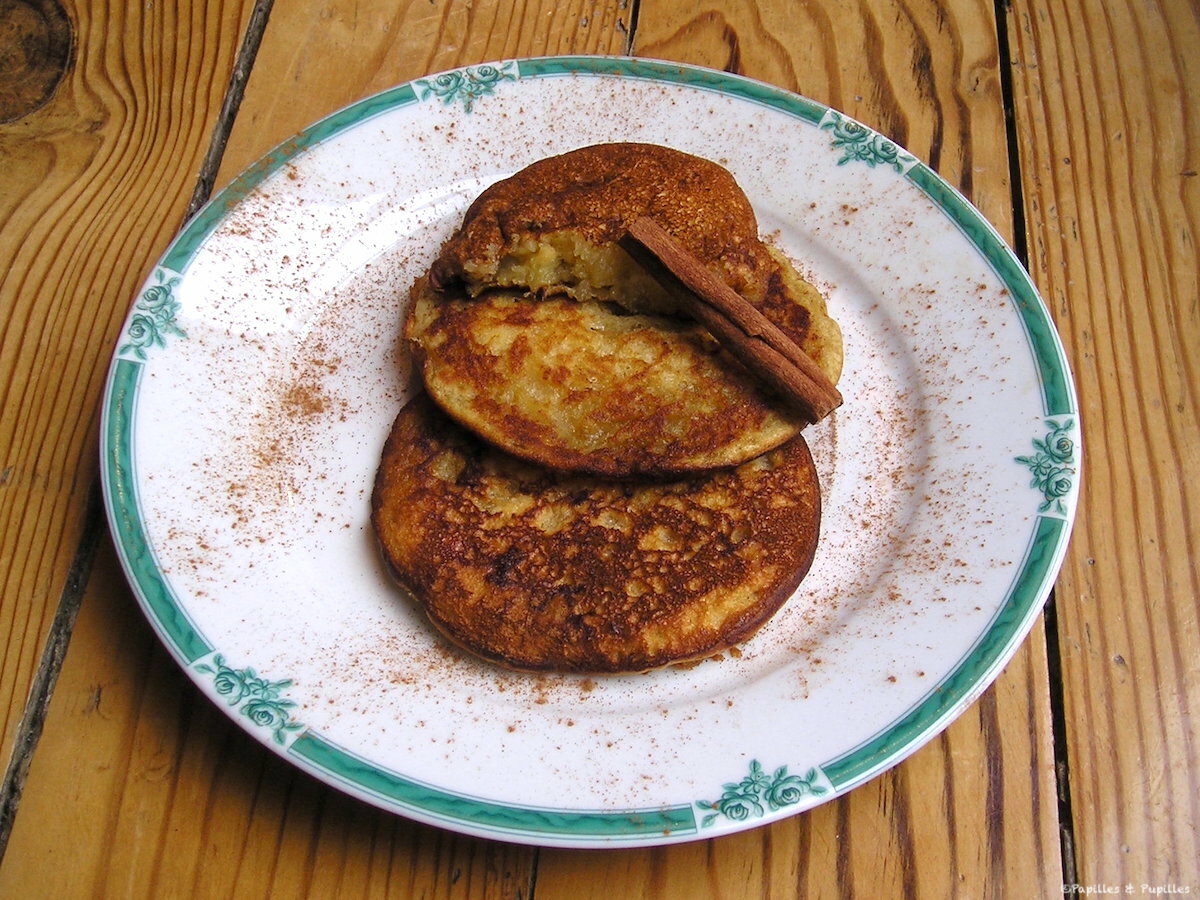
{"x":574,"y":386}
{"x":562,"y":386}
{"x":544,"y":571}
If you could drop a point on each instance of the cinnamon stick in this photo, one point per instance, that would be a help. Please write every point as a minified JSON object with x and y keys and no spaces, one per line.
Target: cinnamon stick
{"x":735,"y":322}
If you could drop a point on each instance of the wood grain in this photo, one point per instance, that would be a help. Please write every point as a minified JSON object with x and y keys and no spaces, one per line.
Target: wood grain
{"x":925,"y":74}
{"x":36,"y":54}
{"x":344,"y":57}
{"x":143,"y":788}
{"x":91,"y":186}
{"x":1105,"y":99}
{"x":932,"y":827}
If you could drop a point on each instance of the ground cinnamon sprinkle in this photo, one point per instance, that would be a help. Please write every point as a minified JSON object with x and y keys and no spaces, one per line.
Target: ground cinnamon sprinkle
{"x":304,"y":400}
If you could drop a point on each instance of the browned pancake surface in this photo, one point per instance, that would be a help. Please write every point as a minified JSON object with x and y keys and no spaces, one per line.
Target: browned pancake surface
{"x":542,"y":571}
{"x":594,"y":193}
{"x":557,"y":385}
{"x":574,"y":386}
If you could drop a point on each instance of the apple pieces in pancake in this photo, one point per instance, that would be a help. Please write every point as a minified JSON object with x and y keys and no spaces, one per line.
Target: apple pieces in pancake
{"x":576,"y":385}
{"x":554,"y":227}
{"x":591,"y":387}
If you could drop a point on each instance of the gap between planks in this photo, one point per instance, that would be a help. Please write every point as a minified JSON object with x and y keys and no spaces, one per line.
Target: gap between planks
{"x":1058,"y":720}
{"x":37,"y":705}
{"x":29,"y":729}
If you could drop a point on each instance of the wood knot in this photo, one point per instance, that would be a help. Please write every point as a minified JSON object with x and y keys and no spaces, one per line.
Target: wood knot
{"x":35,"y":51}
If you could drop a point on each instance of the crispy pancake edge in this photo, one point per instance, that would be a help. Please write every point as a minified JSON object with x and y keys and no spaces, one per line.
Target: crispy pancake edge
{"x":598,"y":190}
{"x":406,"y":512}
{"x":634,"y":424}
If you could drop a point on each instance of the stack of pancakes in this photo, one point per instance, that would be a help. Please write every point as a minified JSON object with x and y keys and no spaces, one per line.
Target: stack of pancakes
{"x":590,"y":482}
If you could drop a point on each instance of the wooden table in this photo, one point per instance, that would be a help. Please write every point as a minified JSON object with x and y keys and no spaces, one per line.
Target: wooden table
{"x":1073,"y":127}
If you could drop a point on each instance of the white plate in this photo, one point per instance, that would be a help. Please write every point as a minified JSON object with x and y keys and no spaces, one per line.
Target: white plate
{"x":260,"y":368}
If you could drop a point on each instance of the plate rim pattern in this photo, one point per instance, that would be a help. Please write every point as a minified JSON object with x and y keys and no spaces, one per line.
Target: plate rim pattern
{"x":547,"y":826}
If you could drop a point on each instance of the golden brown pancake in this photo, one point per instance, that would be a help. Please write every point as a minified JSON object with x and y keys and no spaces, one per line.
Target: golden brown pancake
{"x":537,"y":570}
{"x":592,"y":388}
{"x":574,"y":386}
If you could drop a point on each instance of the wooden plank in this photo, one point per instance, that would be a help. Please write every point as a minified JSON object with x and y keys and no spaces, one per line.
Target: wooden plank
{"x":92,"y":184}
{"x":1105,"y":97}
{"x":928,"y":76}
{"x":347,"y":56}
{"x":153,"y":791}
{"x":164,"y":757}
{"x":932,"y":827}
{"x":142,"y":787}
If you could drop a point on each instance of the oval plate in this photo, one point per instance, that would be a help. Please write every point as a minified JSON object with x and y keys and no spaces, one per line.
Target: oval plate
{"x":260,"y":368}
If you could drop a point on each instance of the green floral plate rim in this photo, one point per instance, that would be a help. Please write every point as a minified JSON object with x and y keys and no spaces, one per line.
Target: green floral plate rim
{"x":754,"y":791}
